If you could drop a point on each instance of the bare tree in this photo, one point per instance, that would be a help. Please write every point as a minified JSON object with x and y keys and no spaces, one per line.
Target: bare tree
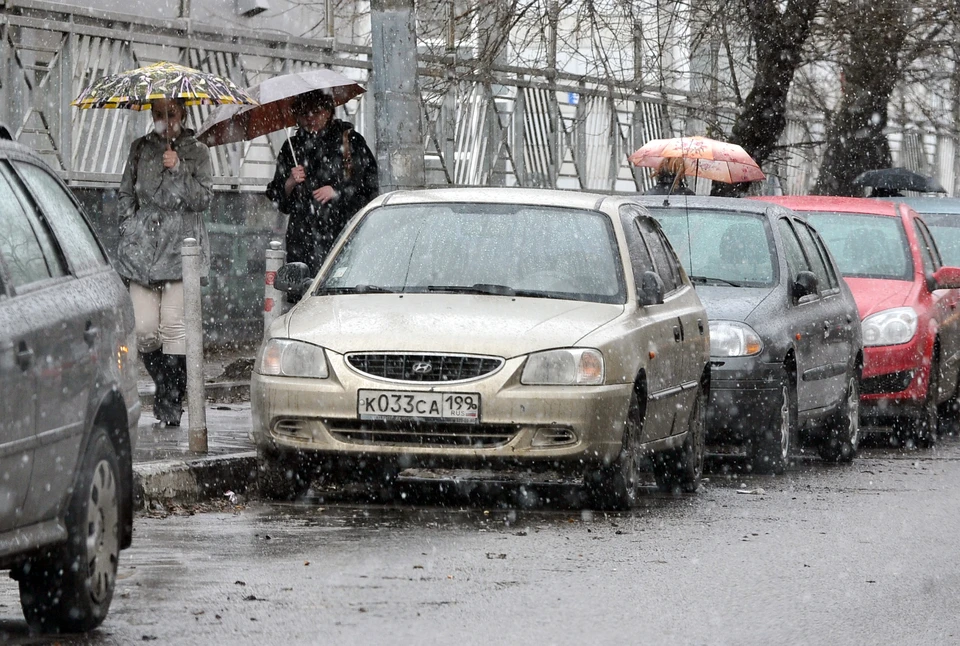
{"x":779,"y":36}
{"x":892,"y":49}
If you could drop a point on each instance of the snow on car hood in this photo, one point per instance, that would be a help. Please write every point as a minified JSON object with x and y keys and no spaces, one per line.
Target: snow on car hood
{"x":875,"y":295}
{"x":475,"y":324}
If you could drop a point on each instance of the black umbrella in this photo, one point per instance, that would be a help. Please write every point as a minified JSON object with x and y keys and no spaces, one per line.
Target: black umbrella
{"x":898,"y":179}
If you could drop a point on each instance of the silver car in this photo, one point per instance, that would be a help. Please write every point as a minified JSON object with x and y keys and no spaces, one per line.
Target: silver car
{"x":68,"y":402}
{"x":485,"y":328}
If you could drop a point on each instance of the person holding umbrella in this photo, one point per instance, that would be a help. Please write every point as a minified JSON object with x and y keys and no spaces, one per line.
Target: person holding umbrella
{"x":670,"y":180}
{"x":165,"y":189}
{"x":325,"y":174}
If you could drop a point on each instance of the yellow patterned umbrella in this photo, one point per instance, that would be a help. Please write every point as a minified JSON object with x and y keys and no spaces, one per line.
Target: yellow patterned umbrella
{"x":137,"y":89}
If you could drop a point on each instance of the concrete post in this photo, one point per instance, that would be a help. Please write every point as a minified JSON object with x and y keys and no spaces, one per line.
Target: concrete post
{"x":396,"y":95}
{"x":272,"y":297}
{"x":193,"y":324}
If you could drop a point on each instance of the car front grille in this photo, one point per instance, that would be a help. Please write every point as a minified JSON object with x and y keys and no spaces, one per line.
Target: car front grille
{"x":424,"y":367}
{"x":892,"y":382}
{"x":421,"y":433}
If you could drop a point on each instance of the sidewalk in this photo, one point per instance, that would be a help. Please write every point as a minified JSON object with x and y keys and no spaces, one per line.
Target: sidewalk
{"x":167,"y":473}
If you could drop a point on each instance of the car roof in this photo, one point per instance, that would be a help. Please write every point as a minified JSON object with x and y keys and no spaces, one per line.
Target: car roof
{"x":707,"y":202}
{"x":831,"y":203}
{"x":931,"y":204}
{"x":12,"y":150}
{"x":501,"y":195}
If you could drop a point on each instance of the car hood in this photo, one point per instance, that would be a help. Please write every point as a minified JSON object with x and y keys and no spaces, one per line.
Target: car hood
{"x":731,"y":303}
{"x":475,"y":324}
{"x":875,"y":295}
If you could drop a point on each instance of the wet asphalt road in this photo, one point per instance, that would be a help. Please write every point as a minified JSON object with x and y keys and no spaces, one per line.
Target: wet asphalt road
{"x":859,"y":554}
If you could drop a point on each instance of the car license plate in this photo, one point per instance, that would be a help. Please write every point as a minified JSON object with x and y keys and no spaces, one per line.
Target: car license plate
{"x":461,"y":408}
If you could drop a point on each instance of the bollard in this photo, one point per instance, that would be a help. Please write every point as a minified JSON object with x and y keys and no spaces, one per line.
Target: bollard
{"x":190,"y":254}
{"x":272,"y":297}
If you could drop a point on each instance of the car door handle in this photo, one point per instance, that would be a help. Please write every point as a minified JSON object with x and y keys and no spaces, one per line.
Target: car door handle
{"x":91,"y":334}
{"x":24,"y":356}
{"x":700,"y":326}
{"x":676,"y":333}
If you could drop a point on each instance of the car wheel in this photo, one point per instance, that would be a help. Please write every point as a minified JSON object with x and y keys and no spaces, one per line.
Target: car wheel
{"x":69,"y":588}
{"x":923,"y":430}
{"x":281,"y":475}
{"x":680,"y":469}
{"x":771,"y":448}
{"x":843,"y":431}
{"x":614,"y":486}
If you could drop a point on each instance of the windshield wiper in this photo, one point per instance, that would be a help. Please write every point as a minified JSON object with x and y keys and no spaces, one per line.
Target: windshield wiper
{"x":709,"y":280}
{"x":356,"y":289}
{"x":488,"y":289}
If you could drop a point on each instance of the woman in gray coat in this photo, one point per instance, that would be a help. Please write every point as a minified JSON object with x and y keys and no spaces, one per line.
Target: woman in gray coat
{"x":165,"y":189}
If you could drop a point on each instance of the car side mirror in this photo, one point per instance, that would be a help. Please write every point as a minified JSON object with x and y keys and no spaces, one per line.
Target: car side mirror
{"x":650,"y":290}
{"x":804,"y":285}
{"x":946,"y":278}
{"x":293,"y":278}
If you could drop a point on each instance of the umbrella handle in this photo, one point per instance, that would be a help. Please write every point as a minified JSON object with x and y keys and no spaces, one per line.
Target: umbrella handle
{"x":292,"y":152}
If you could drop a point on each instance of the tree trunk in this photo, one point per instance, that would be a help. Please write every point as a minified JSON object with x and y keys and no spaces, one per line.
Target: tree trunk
{"x":779,"y":39}
{"x":856,"y":140}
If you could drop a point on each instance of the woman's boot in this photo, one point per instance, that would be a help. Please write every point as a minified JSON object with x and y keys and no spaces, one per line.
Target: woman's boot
{"x":175,"y":386}
{"x":155,"y":364}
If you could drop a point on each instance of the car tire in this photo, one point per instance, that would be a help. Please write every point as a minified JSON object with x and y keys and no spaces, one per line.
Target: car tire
{"x":281,"y":475}
{"x":770,"y":449}
{"x":923,"y":430}
{"x":679,"y":470}
{"x":614,"y":486}
{"x":843,"y":431}
{"x":69,"y":588}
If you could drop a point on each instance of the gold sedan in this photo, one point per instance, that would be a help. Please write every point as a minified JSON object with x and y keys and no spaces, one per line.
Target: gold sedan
{"x":487,"y":328}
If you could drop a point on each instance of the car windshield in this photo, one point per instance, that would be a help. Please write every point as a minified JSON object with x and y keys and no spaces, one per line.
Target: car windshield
{"x":514,"y":250}
{"x":865,"y":246}
{"x":945,"y":228}
{"x":721,"y":247}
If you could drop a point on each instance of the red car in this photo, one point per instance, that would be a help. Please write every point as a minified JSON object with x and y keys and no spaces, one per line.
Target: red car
{"x":907,"y":302}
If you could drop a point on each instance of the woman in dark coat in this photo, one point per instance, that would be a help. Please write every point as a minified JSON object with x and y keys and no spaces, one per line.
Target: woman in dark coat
{"x":327,"y":177}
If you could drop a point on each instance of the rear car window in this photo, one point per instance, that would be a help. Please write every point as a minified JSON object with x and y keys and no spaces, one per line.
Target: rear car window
{"x":865,"y":246}
{"x":80,"y":245}
{"x":721,"y":246}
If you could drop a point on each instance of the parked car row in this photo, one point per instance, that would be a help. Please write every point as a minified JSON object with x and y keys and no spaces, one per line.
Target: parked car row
{"x":907,"y":301}
{"x":483,"y":328}
{"x":486,"y":328}
{"x":588,"y":333}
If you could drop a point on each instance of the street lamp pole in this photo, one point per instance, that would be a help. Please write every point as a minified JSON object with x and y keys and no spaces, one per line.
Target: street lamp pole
{"x":396,"y":95}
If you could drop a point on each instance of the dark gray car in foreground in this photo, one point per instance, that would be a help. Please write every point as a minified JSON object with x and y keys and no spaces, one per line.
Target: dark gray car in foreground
{"x":68,"y":401}
{"x":785,"y":341}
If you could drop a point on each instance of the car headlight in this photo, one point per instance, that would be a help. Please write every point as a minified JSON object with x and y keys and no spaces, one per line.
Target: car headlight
{"x":890,"y":327}
{"x":733,"y":339}
{"x":568,"y":367}
{"x":289,"y":358}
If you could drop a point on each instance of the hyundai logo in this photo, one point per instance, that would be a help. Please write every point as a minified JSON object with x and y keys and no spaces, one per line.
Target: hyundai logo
{"x":422,"y":368}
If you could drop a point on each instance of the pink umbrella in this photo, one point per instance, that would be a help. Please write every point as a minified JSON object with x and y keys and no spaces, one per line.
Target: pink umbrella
{"x":702,"y":157}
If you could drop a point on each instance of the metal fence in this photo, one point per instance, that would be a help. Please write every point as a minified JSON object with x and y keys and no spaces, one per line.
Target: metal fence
{"x":513,"y":127}
{"x":506,"y":126}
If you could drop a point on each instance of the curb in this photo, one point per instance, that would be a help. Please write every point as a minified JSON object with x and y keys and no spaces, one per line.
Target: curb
{"x":214,"y":390}
{"x":184,"y":482}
